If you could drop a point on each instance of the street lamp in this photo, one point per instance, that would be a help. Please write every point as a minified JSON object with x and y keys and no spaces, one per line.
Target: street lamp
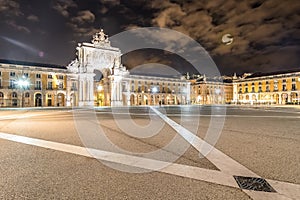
{"x":22,"y":84}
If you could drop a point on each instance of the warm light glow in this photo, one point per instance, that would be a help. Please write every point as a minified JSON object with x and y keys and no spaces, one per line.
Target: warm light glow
{"x":154,"y":90}
{"x":100,"y":88}
{"x":22,"y":83}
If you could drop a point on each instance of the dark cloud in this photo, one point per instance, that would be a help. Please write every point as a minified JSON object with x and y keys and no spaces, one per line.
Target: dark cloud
{"x":63,"y":6}
{"x":255,"y":25}
{"x":83,"y":17}
{"x":10,"y":8}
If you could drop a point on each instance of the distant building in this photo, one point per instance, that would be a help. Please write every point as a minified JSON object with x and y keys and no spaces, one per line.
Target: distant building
{"x":146,"y":90}
{"x":206,"y":90}
{"x":267,"y":88}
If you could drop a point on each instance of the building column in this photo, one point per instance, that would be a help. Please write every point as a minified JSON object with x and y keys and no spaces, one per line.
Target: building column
{"x":116,"y":91}
{"x":188,"y":93}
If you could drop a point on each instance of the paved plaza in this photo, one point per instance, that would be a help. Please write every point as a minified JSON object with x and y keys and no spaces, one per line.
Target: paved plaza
{"x":44,"y":156}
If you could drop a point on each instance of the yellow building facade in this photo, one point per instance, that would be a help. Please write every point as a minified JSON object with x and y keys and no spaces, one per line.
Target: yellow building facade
{"x":24,"y":84}
{"x":268,"y":88}
{"x":207,"y":91}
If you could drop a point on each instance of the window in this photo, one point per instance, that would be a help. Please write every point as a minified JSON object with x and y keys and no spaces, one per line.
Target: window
{"x":132,"y":88}
{"x":60,"y":85}
{"x":38,"y":85}
{"x":0,"y":73}
{"x":275,"y":85}
{"x":259,"y":89}
{"x":27,"y":95}
{"x":49,"y":86}
{"x":49,"y":96}
{"x":1,"y":95}
{"x":267,"y":88}
{"x":74,"y":85}
{"x":12,"y":74}
{"x":293,"y":79}
{"x":0,"y":83}
{"x":49,"y":76}
{"x":38,"y":76}
{"x":267,"y":82}
{"x":294,"y":86}
{"x":14,"y":95}
{"x":25,"y":75}
{"x":253,"y":90}
{"x":60,"y":77}
{"x":284,"y":80}
{"x":246,"y":89}
{"x":12,"y":84}
{"x":283,"y":87}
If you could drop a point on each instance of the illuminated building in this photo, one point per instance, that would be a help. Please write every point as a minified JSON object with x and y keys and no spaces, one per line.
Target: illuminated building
{"x":205,"y":90}
{"x":24,"y":84}
{"x":267,"y":88}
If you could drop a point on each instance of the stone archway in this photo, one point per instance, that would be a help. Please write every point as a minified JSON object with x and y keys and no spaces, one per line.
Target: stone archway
{"x":98,"y":55}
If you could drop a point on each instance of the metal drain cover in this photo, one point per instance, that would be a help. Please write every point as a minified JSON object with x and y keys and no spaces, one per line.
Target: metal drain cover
{"x":253,"y":183}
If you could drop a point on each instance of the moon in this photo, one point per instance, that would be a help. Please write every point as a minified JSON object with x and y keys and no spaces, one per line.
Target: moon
{"x":227,"y":39}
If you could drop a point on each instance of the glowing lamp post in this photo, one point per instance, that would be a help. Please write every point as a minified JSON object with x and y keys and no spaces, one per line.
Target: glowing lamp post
{"x":22,"y":84}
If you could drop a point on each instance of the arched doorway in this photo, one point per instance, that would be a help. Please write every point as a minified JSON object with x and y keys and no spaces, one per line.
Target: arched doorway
{"x":132,"y":100}
{"x":27,"y":99}
{"x":284,"y":98}
{"x":294,"y":97}
{"x":276,"y":98}
{"x":1,"y":99}
{"x":60,"y":99}
{"x":14,"y":99}
{"x":38,"y":99}
{"x":49,"y":100}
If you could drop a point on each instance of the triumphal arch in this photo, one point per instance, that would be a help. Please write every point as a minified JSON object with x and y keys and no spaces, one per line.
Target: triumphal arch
{"x":98,"y":55}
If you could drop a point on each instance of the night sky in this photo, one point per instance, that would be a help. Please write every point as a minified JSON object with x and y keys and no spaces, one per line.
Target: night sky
{"x":266,"y":33}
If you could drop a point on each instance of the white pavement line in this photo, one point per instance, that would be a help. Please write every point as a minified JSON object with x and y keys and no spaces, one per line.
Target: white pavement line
{"x":232,"y":167}
{"x":265,"y":195}
{"x":201,"y":115}
{"x":286,"y":188}
{"x":207,"y":175}
{"x":21,"y":116}
{"x":218,"y":158}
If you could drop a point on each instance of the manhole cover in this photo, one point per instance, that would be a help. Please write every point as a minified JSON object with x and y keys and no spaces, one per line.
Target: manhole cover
{"x":253,"y":183}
